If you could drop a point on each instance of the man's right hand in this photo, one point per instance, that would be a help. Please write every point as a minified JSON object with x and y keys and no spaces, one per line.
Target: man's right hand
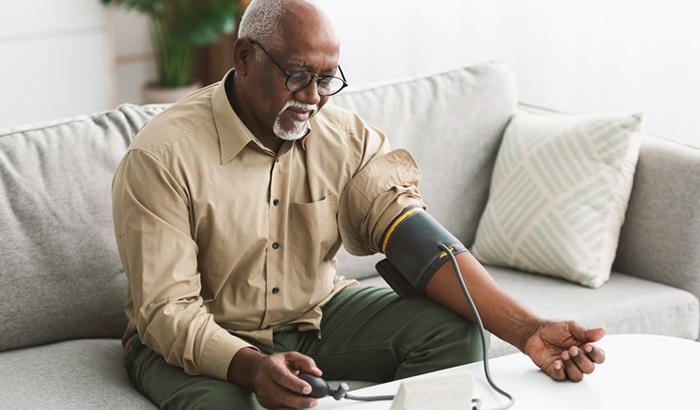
{"x":273,"y":378}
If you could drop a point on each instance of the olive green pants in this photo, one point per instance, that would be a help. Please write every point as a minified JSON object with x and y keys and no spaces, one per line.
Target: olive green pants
{"x":369,"y":334}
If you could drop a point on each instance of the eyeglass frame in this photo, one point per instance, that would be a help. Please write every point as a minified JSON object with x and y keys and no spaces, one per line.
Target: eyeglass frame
{"x":314,"y":77}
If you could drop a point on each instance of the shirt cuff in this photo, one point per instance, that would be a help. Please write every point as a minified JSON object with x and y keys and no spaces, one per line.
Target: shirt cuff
{"x":219,"y":352}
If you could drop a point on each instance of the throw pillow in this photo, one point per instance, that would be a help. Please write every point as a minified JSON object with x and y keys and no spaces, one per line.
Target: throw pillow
{"x":558,"y":195}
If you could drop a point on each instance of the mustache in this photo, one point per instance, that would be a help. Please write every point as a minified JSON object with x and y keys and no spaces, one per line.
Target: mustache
{"x":313,"y":108}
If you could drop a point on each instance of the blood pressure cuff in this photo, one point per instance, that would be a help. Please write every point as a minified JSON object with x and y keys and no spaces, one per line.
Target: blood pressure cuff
{"x":410,"y":244}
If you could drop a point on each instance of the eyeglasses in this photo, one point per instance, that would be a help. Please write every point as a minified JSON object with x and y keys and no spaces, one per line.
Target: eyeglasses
{"x":297,"y":80}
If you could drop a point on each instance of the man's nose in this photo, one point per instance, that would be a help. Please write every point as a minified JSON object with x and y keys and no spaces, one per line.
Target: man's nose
{"x":309,"y":94}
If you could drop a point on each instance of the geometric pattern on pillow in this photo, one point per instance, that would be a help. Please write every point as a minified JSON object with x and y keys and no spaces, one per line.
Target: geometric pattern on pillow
{"x":558,"y":195}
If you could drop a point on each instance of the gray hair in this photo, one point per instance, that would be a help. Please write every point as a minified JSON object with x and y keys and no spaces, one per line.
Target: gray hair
{"x":262,"y":22}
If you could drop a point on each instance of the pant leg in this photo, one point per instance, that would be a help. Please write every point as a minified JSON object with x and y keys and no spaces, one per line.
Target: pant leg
{"x":169,"y":387}
{"x":369,"y":333}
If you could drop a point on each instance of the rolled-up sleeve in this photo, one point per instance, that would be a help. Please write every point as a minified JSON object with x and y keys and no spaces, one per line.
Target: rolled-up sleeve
{"x":374,"y":197}
{"x":152,"y":226}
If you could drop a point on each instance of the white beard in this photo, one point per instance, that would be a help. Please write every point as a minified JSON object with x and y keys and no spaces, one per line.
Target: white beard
{"x":298,"y":127}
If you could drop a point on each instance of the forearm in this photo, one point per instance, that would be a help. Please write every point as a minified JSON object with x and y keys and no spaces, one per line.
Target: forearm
{"x":500,"y":313}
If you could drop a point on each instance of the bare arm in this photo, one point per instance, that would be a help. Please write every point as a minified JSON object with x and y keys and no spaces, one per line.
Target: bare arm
{"x":560,"y":348}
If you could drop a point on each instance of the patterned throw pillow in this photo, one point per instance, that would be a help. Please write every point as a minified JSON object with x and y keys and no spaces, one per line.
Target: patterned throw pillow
{"x":558,"y":195}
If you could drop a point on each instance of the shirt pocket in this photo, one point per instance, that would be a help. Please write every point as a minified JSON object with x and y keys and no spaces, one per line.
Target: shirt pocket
{"x":314,"y":231}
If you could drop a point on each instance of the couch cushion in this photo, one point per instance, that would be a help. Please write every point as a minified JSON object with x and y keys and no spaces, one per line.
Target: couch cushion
{"x":452,"y":123}
{"x":60,"y":273}
{"x":624,"y":305}
{"x":79,"y":374}
{"x":558,"y":196}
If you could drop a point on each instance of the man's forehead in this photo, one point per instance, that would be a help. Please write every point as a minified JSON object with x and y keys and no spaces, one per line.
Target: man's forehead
{"x":309,"y":66}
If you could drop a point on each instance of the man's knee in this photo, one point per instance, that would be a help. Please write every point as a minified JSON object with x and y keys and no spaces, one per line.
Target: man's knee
{"x":169,"y":387}
{"x":465,"y":340}
{"x":446,"y":340}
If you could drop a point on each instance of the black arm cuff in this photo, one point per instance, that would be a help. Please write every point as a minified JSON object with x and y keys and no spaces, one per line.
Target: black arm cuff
{"x":410,"y":244}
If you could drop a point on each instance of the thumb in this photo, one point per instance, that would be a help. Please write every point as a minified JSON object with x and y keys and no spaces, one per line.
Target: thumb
{"x":594,"y":335}
{"x":585,"y":335}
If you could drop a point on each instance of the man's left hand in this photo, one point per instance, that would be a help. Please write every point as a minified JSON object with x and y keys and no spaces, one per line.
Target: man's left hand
{"x":565,"y":349}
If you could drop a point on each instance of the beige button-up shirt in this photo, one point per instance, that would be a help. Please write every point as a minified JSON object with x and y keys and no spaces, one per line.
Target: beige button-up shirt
{"x":223,"y":239}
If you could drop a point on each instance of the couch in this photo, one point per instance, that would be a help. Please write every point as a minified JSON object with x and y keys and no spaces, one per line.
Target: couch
{"x":62,"y":286}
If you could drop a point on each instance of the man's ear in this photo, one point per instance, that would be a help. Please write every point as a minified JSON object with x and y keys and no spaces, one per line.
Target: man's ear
{"x":242,"y":53}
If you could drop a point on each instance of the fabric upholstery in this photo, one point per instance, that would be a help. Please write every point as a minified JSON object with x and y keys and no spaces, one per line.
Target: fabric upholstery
{"x":559,"y":194}
{"x":77,"y":374}
{"x":660,"y":240}
{"x":60,"y":273}
{"x":625,"y":304}
{"x":452,"y":123}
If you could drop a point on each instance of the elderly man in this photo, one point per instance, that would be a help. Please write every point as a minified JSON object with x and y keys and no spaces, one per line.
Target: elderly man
{"x":229,"y":208}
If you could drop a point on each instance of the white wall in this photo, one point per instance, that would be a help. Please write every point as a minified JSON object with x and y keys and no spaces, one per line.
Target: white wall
{"x":580,"y":57}
{"x":53,"y":60}
{"x":133,"y":55}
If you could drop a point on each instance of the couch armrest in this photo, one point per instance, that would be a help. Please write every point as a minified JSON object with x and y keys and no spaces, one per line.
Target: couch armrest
{"x":660,"y":239}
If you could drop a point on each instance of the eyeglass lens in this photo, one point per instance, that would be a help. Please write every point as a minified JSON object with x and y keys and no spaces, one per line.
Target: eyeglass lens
{"x":326,"y":85}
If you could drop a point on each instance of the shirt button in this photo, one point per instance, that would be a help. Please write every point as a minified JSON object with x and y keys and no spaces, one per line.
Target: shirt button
{"x":275,"y":290}
{"x":275,"y":245}
{"x":276,"y":202}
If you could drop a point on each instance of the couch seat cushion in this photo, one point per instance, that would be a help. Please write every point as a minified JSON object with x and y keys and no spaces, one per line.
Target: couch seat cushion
{"x":624,"y":305}
{"x":77,"y":374}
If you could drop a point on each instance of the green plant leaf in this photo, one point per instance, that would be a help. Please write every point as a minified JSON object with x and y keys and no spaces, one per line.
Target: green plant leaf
{"x":180,"y":28}
{"x":201,"y":28}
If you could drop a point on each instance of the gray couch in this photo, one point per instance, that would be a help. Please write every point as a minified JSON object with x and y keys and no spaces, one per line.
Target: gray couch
{"x":62,"y":287}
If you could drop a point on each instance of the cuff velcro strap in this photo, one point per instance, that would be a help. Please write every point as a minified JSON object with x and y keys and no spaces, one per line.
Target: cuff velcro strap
{"x":410,"y":244}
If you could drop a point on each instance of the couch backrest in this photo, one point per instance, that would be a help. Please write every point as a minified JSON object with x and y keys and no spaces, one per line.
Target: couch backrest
{"x":452,"y":123}
{"x":60,"y":272}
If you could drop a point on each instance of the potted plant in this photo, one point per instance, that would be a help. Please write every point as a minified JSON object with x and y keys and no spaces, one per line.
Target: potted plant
{"x":179,"y":30}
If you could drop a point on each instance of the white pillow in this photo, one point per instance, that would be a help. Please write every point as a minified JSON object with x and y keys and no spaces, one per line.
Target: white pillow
{"x":558,"y":195}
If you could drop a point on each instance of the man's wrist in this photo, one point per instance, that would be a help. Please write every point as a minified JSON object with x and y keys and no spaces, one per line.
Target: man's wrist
{"x":530,"y":328}
{"x":244,"y":367}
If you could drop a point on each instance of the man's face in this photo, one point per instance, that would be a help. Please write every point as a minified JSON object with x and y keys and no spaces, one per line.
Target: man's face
{"x":309,"y":44}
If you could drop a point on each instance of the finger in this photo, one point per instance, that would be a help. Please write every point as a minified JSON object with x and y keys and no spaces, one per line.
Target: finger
{"x":594,"y":335}
{"x":572,"y":370}
{"x":292,"y":393}
{"x":303,"y":363}
{"x":582,"y":361}
{"x":557,"y":371}
{"x":277,"y":398}
{"x":285,"y":378}
{"x":271,"y":395}
{"x":585,"y":335}
{"x":595,"y":353}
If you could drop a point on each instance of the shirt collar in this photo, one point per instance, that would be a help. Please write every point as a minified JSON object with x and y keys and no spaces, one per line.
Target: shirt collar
{"x":233,"y":134}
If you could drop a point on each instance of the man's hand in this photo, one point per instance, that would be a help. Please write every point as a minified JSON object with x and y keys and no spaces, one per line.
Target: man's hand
{"x":565,"y":349}
{"x":273,"y":378}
